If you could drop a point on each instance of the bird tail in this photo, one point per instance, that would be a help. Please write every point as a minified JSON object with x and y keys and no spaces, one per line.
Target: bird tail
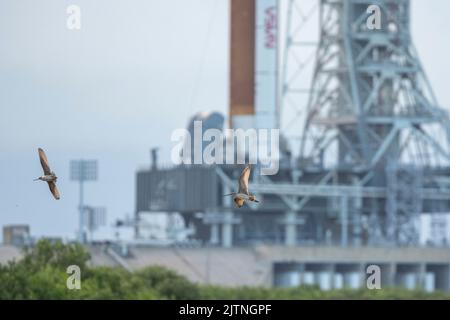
{"x":36,"y":179}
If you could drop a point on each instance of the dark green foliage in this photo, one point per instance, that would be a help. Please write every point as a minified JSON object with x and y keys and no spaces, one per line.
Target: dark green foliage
{"x":41,"y":274}
{"x":56,"y":255}
{"x":168,"y":283}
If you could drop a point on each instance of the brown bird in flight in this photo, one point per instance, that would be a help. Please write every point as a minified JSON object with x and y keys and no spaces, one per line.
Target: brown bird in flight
{"x":49,"y":176}
{"x":242,"y":195}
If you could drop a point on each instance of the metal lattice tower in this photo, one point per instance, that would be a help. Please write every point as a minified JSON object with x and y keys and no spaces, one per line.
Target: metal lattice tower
{"x":372,"y":112}
{"x":297,"y":58}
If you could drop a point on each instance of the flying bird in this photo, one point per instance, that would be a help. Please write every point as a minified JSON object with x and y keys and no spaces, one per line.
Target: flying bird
{"x":242,"y":195}
{"x":49,"y":176}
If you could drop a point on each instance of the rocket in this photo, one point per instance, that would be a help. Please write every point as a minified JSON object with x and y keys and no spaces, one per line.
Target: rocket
{"x":254,"y":64}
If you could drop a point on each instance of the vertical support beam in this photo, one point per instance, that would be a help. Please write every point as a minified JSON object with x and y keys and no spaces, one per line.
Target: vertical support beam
{"x":357,"y":204}
{"x":393,"y":274}
{"x":344,"y":220}
{"x":357,"y":230}
{"x":421,"y":278}
{"x":355,"y":93}
{"x":214,"y":236}
{"x":290,"y":228}
{"x":362,"y":275}
{"x":447,"y":278}
{"x":227,"y":224}
{"x":81,"y":234}
{"x":208,"y":265}
{"x":227,"y":230}
{"x":332,"y":275}
{"x":301,"y":269}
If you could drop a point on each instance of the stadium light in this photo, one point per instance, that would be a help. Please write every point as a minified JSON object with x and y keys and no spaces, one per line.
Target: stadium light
{"x":81,"y":171}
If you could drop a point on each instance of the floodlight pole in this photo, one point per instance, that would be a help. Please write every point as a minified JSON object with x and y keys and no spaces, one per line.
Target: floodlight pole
{"x":82,"y":171}
{"x":81,"y":235}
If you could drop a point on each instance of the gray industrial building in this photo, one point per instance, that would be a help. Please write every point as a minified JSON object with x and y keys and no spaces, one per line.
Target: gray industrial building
{"x":374,"y":156}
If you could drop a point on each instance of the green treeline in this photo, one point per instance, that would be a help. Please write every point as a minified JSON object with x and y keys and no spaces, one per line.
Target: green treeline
{"x":41,"y":274}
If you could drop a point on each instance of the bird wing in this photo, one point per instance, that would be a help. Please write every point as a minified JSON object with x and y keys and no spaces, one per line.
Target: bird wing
{"x":44,"y":162}
{"x":243,"y":180}
{"x":54,"y":190}
{"x":242,"y":196}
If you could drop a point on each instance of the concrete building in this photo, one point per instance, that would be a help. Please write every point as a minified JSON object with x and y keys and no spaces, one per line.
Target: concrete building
{"x":281,"y":266}
{"x":16,"y":235}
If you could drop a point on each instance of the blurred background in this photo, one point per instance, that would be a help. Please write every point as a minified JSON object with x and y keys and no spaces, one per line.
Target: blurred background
{"x":364,"y":165}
